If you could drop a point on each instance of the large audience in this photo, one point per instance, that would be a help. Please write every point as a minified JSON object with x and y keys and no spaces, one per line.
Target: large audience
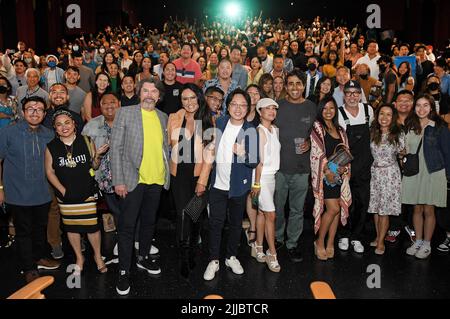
{"x":225,"y":122}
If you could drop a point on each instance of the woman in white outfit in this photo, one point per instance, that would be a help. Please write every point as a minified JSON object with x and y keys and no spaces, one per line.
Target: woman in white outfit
{"x":263,"y":188}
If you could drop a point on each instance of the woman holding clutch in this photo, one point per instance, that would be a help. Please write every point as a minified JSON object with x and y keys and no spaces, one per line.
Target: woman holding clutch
{"x":326,"y":138}
{"x":186,"y":131}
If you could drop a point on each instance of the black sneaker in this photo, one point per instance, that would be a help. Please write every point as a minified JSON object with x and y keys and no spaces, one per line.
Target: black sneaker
{"x":149,"y":264}
{"x":295,"y":255}
{"x":123,"y":284}
{"x":445,"y":246}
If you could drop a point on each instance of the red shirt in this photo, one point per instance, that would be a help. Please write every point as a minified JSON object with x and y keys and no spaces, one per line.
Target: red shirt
{"x":189,"y":73}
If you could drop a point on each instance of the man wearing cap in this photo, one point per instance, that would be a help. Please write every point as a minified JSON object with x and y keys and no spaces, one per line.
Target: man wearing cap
{"x":24,"y":187}
{"x":52,"y":74}
{"x":295,"y":119}
{"x":355,"y":118}
{"x":87,"y":77}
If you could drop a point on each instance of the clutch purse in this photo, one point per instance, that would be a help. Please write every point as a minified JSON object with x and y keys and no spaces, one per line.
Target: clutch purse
{"x":341,"y":157}
{"x":196,"y":206}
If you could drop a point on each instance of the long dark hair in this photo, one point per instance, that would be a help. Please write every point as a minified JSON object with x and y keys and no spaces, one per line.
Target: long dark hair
{"x":413,"y":122}
{"x":203,"y":113}
{"x":320,"y":109}
{"x":394,"y":129}
{"x":318,"y":88}
{"x":404,"y":77}
{"x":96,"y":96}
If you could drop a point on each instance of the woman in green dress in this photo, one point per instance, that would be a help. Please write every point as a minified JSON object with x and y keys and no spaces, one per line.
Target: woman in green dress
{"x":427,"y":189}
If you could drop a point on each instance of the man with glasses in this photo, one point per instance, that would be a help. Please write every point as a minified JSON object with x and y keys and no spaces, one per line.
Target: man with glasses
{"x":231,"y":166}
{"x":214,"y":99}
{"x":24,"y":187}
{"x":355,"y":118}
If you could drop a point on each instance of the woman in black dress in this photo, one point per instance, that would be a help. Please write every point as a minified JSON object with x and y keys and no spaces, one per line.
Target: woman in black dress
{"x":69,"y":165}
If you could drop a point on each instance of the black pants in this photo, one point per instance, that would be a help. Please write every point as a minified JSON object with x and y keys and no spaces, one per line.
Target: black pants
{"x":219,"y":205}
{"x":183,"y":189}
{"x":142,"y":203}
{"x":31,"y":233}
{"x":360,"y":188}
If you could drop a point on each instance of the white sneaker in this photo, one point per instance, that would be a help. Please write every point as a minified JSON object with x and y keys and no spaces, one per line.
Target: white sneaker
{"x":413,"y":249}
{"x":153,"y":249}
{"x":357,"y":246}
{"x":235,"y":265}
{"x":343,"y":244}
{"x":423,"y":252}
{"x":116,"y":250}
{"x":211,"y":270}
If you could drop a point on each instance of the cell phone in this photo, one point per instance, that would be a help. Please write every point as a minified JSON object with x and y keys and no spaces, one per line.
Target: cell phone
{"x":12,"y":51}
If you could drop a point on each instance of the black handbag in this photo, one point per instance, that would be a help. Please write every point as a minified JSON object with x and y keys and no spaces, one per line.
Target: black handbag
{"x":196,"y":206}
{"x":411,"y":162}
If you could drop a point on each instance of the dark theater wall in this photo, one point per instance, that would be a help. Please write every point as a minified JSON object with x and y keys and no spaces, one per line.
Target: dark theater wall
{"x":42,"y":23}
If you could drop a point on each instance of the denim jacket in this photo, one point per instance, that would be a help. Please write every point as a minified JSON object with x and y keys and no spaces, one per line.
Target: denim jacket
{"x":241,"y":168}
{"x":436,"y":148}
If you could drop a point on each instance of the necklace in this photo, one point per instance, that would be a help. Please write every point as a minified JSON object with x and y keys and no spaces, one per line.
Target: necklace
{"x":70,"y":161}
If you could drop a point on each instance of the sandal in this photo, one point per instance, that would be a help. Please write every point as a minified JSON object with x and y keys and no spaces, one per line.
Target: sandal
{"x":258,"y":253}
{"x":102,"y":268}
{"x":272,"y":262}
{"x":250,"y":242}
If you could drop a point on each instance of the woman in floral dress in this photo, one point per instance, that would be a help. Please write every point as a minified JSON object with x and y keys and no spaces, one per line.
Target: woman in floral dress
{"x":387,"y":142}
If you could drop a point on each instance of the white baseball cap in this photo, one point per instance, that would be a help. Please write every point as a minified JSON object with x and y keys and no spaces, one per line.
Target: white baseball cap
{"x":265,"y":103}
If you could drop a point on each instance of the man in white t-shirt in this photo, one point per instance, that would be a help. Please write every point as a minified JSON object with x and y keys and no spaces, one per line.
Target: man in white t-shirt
{"x":371,"y":59}
{"x":355,"y":118}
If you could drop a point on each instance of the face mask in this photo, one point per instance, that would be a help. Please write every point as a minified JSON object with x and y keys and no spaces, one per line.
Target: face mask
{"x":3,"y":89}
{"x":382,"y":68}
{"x":102,"y":51}
{"x":433,"y":86}
{"x":202,"y":48}
{"x":87,"y":56}
{"x":312,"y":67}
{"x":28,"y":60}
{"x":364,"y":76}
{"x":52,"y":64}
{"x":75,"y":48}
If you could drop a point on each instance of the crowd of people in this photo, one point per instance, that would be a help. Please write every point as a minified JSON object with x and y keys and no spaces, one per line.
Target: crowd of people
{"x":240,"y":116}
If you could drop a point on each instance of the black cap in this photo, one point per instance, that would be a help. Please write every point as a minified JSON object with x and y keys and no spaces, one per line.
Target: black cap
{"x":352,"y":85}
{"x":77,"y":54}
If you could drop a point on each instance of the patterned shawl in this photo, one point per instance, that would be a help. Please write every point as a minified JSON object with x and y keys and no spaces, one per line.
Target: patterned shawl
{"x":318,"y":163}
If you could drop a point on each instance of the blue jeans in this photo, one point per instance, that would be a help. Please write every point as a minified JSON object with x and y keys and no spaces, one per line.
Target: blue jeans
{"x":296,"y":186}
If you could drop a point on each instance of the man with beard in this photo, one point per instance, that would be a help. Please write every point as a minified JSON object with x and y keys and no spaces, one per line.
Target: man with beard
{"x":138,"y":175}
{"x":59,"y":99}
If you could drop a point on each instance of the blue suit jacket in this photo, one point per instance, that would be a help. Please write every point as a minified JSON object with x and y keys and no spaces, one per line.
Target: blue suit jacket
{"x":242,"y":167}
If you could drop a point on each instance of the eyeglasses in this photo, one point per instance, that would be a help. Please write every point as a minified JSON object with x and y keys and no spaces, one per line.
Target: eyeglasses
{"x":355,"y":93}
{"x":32,"y":111}
{"x":236,"y":105}
{"x":215,"y":99}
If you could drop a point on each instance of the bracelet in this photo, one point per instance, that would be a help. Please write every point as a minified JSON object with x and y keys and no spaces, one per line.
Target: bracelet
{"x":256,"y":185}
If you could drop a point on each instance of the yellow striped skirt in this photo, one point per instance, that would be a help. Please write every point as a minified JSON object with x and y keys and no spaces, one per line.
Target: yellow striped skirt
{"x":80,"y":218}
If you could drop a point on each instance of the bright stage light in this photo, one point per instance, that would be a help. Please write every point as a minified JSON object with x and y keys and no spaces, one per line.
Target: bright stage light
{"x":233,"y":10}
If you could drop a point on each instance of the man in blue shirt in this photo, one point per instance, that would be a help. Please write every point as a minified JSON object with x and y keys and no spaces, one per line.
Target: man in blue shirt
{"x":24,"y":187}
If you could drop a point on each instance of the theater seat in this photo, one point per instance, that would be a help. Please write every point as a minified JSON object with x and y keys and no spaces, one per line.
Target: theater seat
{"x":34,"y":289}
{"x":321,"y":290}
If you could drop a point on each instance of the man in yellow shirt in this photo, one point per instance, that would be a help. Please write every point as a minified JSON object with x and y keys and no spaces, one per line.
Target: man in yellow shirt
{"x":140,"y":170}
